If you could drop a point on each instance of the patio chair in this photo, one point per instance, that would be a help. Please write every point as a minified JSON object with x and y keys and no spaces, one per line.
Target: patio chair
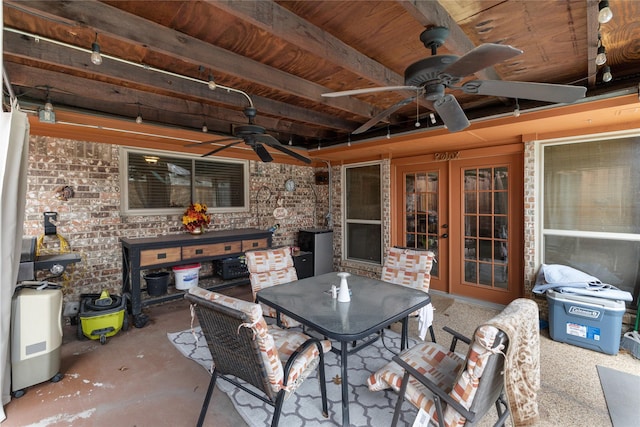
{"x":273,"y":360}
{"x":412,"y":267}
{"x":271,"y":267}
{"x":456,"y":391}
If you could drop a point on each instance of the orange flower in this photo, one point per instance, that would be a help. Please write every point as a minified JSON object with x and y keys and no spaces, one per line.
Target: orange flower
{"x":196,"y":216}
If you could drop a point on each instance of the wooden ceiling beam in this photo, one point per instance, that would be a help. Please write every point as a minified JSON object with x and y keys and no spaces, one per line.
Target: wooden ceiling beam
{"x":281,"y":23}
{"x":75,"y":62}
{"x":110,"y":21}
{"x":125,"y":101}
{"x":592,"y":42}
{"x":430,"y":13}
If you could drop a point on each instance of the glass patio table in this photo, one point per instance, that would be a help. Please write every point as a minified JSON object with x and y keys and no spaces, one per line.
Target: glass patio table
{"x":374,"y":305}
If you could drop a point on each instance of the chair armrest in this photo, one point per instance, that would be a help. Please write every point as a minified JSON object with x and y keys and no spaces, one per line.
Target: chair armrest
{"x":455,"y":337}
{"x":299,"y":351}
{"x":438,"y":393}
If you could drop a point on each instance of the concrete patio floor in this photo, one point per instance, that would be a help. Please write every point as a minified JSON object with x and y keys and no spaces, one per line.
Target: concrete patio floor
{"x":139,"y":379}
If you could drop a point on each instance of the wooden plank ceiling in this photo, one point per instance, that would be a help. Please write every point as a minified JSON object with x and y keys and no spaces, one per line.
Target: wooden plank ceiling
{"x":159,"y":55}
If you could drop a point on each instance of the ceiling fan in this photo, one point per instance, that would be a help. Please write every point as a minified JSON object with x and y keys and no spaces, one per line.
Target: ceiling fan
{"x":255,"y":137}
{"x":430,"y":77}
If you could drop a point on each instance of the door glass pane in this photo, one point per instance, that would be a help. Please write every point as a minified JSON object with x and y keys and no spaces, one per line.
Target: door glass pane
{"x":485,"y":276}
{"x":486,"y":227}
{"x":485,"y":223}
{"x":484,"y":202}
{"x":421,"y":201}
{"x":470,"y":273}
{"x":470,"y":198}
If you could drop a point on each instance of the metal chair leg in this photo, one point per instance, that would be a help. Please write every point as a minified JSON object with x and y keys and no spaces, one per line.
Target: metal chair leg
{"x":207,"y":398}
{"x":323,"y":386}
{"x":277,"y":408}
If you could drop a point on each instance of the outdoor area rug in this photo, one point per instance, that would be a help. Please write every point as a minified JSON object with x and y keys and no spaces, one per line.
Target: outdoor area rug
{"x":304,"y":408}
{"x":622,"y":394}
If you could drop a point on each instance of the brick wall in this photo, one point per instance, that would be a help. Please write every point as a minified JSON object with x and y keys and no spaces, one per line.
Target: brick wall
{"x":91,"y":222}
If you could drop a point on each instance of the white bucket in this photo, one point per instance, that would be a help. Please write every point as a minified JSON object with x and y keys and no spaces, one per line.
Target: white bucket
{"x":186,"y":276}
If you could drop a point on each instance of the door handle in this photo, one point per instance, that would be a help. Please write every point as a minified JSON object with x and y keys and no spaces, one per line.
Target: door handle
{"x":445,"y":235}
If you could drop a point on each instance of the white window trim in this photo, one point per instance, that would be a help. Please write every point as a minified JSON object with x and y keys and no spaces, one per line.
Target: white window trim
{"x":345,"y":221}
{"x":124,"y":174}
{"x":539,"y":191}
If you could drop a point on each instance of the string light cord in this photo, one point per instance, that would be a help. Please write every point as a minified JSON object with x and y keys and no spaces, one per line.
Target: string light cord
{"x":135,"y":64}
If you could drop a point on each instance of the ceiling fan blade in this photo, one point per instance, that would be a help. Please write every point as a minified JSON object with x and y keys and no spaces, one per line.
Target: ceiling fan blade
{"x":222,"y":148}
{"x":525,"y":90}
{"x":480,"y":58}
{"x":291,"y":153}
{"x":367,"y":90}
{"x":262,"y":152}
{"x":451,"y":113}
{"x":213,"y":141}
{"x":265,"y":138}
{"x":378,"y":117}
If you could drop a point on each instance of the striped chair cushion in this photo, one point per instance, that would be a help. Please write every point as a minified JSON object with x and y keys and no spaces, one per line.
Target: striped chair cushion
{"x":262,"y":261}
{"x":269,"y":268}
{"x":276,"y":344}
{"x":445,"y":369}
{"x":408,"y":267}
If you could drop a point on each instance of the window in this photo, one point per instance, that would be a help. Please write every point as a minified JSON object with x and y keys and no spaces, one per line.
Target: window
{"x":165,"y":183}
{"x":591,"y":208}
{"x":363,"y":213}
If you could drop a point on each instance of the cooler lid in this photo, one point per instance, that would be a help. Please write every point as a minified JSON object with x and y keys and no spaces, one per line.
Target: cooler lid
{"x":583,"y":299}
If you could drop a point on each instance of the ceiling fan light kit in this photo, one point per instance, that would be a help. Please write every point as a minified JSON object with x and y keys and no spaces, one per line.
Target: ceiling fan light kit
{"x":430,"y":77}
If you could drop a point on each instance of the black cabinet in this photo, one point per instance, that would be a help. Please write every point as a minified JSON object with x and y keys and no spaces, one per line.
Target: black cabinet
{"x":303,"y":261}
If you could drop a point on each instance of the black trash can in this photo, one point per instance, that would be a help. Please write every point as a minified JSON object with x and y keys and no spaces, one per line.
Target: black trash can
{"x":157,"y":283}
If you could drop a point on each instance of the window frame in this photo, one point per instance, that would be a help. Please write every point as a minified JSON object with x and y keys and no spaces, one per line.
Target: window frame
{"x":346,"y":221}
{"x":124,"y":177}
{"x":541,"y":232}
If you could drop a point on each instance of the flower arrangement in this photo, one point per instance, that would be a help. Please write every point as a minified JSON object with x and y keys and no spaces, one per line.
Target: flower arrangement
{"x":195,"y":218}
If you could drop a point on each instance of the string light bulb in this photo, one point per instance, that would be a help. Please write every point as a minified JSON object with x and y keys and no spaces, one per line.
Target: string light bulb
{"x":601,"y":57}
{"x":388,"y":132}
{"x":606,"y":74}
{"x":291,"y":140}
{"x":516,"y":111}
{"x":417,"y":109}
{"x":604,"y":12}
{"x":211,"y":84}
{"x":48,"y":106}
{"x":433,"y":118}
{"x":205,"y":129}
{"x":139,"y":118}
{"x":96,"y":58}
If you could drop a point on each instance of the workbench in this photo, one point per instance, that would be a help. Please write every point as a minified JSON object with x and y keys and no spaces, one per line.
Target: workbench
{"x":179,"y":249}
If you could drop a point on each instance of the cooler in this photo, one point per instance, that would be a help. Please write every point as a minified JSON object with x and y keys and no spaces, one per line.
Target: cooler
{"x":588,"y":322}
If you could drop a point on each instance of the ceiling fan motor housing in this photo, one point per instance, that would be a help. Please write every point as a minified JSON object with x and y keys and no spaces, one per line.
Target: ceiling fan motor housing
{"x":241,"y":131}
{"x":428,"y":71}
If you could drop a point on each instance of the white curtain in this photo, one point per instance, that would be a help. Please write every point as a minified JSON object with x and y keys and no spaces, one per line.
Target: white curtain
{"x":14,"y":150}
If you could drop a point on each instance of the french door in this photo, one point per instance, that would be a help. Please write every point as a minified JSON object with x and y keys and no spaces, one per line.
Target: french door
{"x":469,"y":212}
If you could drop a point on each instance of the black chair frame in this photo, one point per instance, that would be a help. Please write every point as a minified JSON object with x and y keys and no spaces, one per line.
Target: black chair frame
{"x":439,"y":395}
{"x":236,"y":353}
